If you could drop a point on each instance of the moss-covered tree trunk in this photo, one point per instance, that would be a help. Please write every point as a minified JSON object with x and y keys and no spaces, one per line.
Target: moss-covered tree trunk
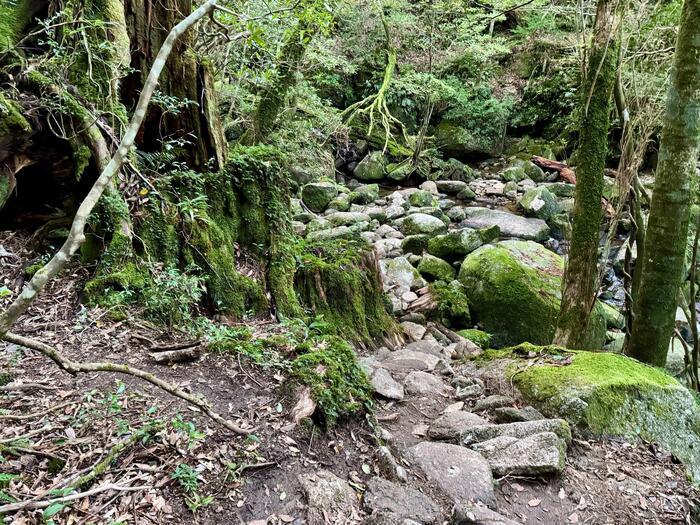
{"x":663,"y":261}
{"x":271,"y":101}
{"x":578,"y":297}
{"x":196,"y":120}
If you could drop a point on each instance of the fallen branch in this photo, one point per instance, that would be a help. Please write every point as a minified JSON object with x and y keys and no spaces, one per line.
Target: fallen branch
{"x":565,"y":172}
{"x":42,"y":504}
{"x":13,"y":417}
{"x":167,"y":357}
{"x":75,"y":367}
{"x":15,"y":387}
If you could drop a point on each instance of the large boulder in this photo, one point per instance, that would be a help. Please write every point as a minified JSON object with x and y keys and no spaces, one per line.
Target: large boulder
{"x":511,"y":225}
{"x":457,"y":141}
{"x":460,"y":474}
{"x":514,"y":291}
{"x":318,"y":195}
{"x":371,"y":168}
{"x":613,"y":395}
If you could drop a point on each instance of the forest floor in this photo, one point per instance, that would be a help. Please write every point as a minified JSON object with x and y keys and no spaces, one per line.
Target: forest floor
{"x":67,"y":424}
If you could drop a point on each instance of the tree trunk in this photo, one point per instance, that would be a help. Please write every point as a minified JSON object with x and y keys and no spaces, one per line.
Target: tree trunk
{"x":196,"y":122}
{"x":272,"y":100}
{"x":579,"y":292}
{"x":667,"y":230}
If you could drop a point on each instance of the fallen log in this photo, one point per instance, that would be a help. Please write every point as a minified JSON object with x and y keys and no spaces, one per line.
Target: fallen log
{"x":565,"y":172}
{"x":168,"y":357}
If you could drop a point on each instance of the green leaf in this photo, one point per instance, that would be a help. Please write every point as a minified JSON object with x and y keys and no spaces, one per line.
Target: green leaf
{"x":53,"y":509}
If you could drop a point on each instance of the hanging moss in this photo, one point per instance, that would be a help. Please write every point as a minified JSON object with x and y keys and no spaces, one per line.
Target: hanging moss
{"x":340,"y":281}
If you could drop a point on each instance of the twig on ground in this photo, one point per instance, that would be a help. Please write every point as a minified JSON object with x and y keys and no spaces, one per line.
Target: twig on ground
{"x":75,"y":367}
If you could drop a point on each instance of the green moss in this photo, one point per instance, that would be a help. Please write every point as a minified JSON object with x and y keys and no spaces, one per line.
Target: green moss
{"x":13,"y":18}
{"x":479,"y":337}
{"x":453,"y":306}
{"x":514,"y":291}
{"x":338,"y":384}
{"x":340,"y":281}
{"x":11,"y":119}
{"x":613,"y":395}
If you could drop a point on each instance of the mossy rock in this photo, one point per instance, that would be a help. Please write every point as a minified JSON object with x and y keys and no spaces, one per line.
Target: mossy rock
{"x":478,"y":337}
{"x":371,"y":168}
{"x":455,"y":245}
{"x":435,"y":269}
{"x":514,"y":290}
{"x":421,"y":198}
{"x":318,"y":195}
{"x":613,"y":395}
{"x":415,"y":244}
{"x":365,"y":194}
{"x":513,"y":174}
{"x":452,"y":303}
{"x":457,"y":141}
{"x":539,"y":202}
{"x":532,"y":170}
{"x":422,"y":223}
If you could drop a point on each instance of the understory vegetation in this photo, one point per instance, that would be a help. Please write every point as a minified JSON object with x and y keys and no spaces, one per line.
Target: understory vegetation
{"x":286,"y":213}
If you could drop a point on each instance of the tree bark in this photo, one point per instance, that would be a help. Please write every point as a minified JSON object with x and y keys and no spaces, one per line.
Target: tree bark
{"x":663,"y":261}
{"x":187,"y":79}
{"x":579,"y":292}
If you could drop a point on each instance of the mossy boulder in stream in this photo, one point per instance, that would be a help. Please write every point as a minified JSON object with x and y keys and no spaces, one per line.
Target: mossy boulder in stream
{"x":613,"y":395}
{"x":514,"y":291}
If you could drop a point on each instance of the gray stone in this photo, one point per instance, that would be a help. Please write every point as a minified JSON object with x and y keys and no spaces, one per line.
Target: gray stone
{"x":461,"y":474}
{"x":519,"y":430}
{"x":399,"y":502}
{"x":385,"y":385}
{"x":406,"y":360}
{"x":328,"y":497}
{"x":389,"y":467}
{"x":511,"y":225}
{"x":347,"y":218}
{"x":451,"y":187}
{"x":400,"y":274}
{"x":340,"y":232}
{"x":535,"y":455}
{"x":388,"y":248}
{"x":421,"y":223}
{"x":451,"y":424}
{"x":491,"y":402}
{"x":429,"y":186}
{"x":423,"y":383}
{"x":512,"y":415}
{"x":456,"y":214}
{"x":469,"y":392}
{"x":414,"y":331}
{"x":478,"y":514}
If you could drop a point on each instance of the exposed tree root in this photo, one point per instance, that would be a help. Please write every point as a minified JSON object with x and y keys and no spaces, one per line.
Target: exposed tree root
{"x":374,"y":106}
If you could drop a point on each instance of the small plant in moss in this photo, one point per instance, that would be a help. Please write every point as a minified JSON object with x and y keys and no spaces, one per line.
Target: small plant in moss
{"x":171,"y":295}
{"x":338,"y":384}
